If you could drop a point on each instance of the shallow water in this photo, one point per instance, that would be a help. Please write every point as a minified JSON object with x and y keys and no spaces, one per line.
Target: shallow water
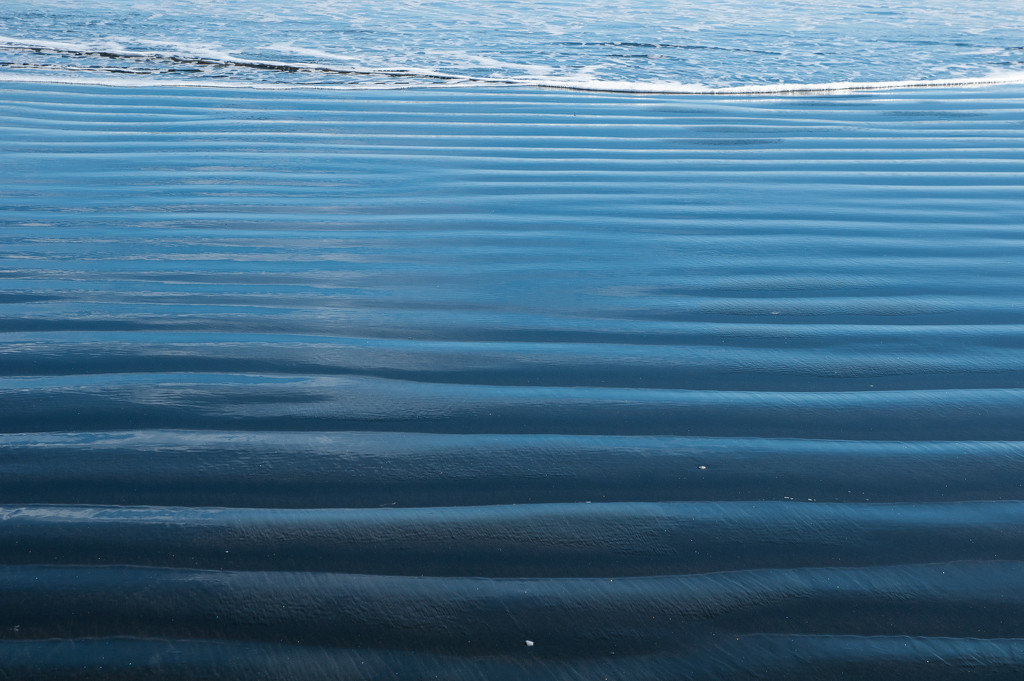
{"x":649,"y":45}
{"x":344,"y":385}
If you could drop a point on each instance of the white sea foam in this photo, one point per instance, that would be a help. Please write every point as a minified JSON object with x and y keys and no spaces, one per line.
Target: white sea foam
{"x":584,"y":80}
{"x":777,"y":88}
{"x":580,"y":85}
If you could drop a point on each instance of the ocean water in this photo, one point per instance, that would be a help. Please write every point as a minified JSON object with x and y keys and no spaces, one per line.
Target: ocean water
{"x":635,"y":341}
{"x":627,"y":45}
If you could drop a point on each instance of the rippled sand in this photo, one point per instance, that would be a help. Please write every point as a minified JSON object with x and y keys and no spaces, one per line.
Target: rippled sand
{"x":310,"y":385}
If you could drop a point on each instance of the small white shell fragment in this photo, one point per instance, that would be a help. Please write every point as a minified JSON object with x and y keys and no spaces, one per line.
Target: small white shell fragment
{"x":529,"y":643}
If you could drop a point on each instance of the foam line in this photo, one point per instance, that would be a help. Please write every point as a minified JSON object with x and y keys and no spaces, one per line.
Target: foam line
{"x":443,"y":78}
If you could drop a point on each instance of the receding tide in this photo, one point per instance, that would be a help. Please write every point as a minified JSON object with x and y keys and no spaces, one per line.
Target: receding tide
{"x":358,"y":343}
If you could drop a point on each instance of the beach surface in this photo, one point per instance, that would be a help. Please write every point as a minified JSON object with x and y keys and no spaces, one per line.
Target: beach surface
{"x":510,"y":383}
